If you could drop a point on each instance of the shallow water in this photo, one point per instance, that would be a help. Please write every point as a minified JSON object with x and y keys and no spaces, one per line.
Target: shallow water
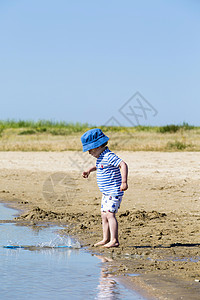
{"x":41,"y":270}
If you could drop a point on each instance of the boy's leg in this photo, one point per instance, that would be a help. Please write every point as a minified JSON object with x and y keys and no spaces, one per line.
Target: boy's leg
{"x":106,"y":231}
{"x":113,"y":227}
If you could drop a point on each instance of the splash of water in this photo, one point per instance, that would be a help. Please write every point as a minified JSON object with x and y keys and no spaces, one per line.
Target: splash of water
{"x":59,"y":242}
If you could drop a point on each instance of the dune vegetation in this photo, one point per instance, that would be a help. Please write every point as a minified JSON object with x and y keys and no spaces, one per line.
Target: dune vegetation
{"x":47,"y":135}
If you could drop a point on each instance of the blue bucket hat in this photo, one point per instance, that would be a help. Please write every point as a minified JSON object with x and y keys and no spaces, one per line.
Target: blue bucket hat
{"x":93,"y":138}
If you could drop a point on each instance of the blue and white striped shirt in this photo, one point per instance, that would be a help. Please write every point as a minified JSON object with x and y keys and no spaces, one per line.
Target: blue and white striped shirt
{"x":108,"y":173}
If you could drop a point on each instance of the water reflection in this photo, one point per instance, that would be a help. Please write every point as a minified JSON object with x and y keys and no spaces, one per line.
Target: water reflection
{"x":107,"y":287}
{"x":42,"y":271}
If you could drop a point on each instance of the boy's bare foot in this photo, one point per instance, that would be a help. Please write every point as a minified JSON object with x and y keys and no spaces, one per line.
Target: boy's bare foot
{"x":101,"y":243}
{"x":111,"y":244}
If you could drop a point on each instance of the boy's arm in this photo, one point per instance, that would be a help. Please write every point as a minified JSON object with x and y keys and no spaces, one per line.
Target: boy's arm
{"x":87,"y":173}
{"x":124,"y":172}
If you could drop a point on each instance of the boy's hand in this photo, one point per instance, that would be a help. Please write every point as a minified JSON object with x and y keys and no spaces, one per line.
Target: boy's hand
{"x":85,"y":174}
{"x":124,"y":186}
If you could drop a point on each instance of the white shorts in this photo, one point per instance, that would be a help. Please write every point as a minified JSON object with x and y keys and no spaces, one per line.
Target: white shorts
{"x":110,"y":203}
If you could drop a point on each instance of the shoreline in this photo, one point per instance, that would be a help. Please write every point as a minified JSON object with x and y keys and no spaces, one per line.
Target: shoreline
{"x":158,"y":219}
{"x":124,"y":281}
{"x":148,"y":286}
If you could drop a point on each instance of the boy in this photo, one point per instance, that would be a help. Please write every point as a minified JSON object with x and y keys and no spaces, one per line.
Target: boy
{"x":112,"y":183}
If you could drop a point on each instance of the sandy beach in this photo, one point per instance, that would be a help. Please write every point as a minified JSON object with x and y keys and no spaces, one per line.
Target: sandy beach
{"x":159,"y":219}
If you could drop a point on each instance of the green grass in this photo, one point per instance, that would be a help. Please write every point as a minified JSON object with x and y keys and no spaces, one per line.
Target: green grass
{"x":41,"y":124}
{"x":44,"y":135}
{"x":63,"y":128}
{"x":177,"y":145}
{"x":174,"y":128}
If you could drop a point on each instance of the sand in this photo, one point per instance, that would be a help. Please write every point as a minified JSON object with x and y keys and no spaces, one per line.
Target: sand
{"x":159,"y":219}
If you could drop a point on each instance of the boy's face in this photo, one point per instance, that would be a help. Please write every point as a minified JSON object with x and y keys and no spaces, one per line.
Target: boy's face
{"x":96,"y":151}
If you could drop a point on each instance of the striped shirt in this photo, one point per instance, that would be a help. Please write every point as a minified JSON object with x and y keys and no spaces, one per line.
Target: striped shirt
{"x":108,"y":173}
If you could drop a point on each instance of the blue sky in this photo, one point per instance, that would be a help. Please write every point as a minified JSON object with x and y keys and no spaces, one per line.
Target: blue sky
{"x":81,"y":61}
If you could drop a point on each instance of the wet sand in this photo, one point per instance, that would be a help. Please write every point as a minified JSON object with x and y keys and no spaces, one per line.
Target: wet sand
{"x":159,"y":219}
